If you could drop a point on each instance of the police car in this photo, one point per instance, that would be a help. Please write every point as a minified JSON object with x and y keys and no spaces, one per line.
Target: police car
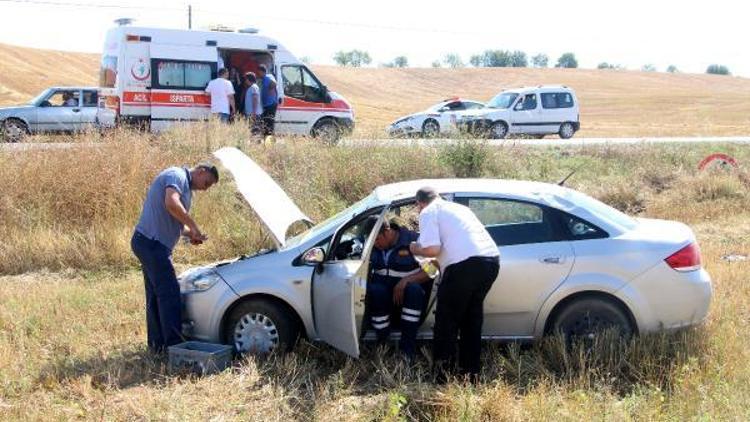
{"x":436,"y":120}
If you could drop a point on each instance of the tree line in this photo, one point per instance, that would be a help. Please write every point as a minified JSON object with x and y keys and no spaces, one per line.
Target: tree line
{"x":501,"y":58}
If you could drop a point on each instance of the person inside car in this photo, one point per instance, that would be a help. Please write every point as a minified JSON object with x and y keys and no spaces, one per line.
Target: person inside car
{"x":397,"y":282}
{"x":69,"y":100}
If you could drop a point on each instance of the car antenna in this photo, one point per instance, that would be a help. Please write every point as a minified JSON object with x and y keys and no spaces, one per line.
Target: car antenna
{"x":565,"y":179}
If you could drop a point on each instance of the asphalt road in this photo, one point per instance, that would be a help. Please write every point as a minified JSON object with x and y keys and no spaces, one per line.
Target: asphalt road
{"x":546,"y":142}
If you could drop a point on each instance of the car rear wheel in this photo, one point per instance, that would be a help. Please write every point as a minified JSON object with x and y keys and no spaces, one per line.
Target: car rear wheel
{"x":14,"y":130}
{"x":585,"y":318}
{"x":259,"y":327}
{"x":498,"y":130}
{"x":567,"y":130}
{"x":328,"y":131}
{"x":430,"y":129}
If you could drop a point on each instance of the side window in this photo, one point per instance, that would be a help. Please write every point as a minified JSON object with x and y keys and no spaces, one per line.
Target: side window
{"x":293,"y":81}
{"x":454,"y":106}
{"x":90,"y":98}
{"x":64,"y":98}
{"x":181,"y":74}
{"x":557,"y":100}
{"x":108,"y":72}
{"x":578,"y":229}
{"x":527,"y":103}
{"x":512,"y":222}
{"x":473,"y":106}
{"x":301,"y":84}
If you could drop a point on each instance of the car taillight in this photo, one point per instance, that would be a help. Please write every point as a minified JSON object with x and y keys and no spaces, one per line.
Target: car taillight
{"x":686,"y":259}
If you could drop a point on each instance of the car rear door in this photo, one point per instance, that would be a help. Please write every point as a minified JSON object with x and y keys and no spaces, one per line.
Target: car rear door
{"x":179,"y":76}
{"x":338,"y":296}
{"x":89,"y":103}
{"x":534,"y":261}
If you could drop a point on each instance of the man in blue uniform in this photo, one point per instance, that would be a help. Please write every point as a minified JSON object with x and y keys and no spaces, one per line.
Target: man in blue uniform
{"x":397,"y":281}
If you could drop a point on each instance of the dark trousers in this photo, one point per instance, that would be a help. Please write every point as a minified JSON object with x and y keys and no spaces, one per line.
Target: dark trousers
{"x":163,"y":302}
{"x":381,"y":308}
{"x":460,"y":310}
{"x":268,"y":119}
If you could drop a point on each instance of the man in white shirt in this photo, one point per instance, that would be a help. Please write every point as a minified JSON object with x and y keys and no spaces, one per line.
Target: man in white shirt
{"x":222,"y":96}
{"x":469,"y":260}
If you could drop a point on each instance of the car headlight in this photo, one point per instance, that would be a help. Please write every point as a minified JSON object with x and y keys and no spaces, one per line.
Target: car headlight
{"x":198,"y":279}
{"x":399,"y":121}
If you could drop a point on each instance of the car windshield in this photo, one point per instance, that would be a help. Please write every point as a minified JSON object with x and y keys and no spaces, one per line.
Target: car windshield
{"x":330,"y":223}
{"x":502,"y":100}
{"x":437,"y":106}
{"x":40,"y":97}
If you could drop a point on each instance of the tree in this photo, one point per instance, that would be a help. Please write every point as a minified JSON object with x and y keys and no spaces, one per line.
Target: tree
{"x":672,"y":69}
{"x":453,"y":61}
{"x":567,"y":60}
{"x":648,"y":68}
{"x":540,"y":60}
{"x":718,"y":69}
{"x":401,"y":61}
{"x":476,"y":60}
{"x":518,"y":59}
{"x":354,"y":58}
{"x":436,"y":64}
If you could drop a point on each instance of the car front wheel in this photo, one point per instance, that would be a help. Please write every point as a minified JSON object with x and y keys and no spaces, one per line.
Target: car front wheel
{"x":259,"y":327}
{"x":14,"y":130}
{"x":430,"y":129}
{"x":585,"y":318}
{"x":498,"y":130}
{"x":328,"y":131}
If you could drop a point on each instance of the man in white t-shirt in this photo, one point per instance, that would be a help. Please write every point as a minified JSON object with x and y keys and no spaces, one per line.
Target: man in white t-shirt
{"x":469,"y":260}
{"x":222,"y":96}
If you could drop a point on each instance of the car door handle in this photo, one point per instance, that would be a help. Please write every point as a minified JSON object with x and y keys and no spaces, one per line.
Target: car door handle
{"x":551,"y":260}
{"x":76,"y":110}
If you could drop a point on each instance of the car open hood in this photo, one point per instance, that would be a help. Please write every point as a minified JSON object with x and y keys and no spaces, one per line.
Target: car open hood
{"x":272,"y":205}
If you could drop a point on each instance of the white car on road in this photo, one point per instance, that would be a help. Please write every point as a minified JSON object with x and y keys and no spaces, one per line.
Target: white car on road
{"x":435,"y":121}
{"x":534,"y":111}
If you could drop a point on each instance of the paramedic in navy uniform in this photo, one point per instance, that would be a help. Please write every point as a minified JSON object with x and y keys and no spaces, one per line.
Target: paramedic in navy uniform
{"x":469,"y":260}
{"x":397,"y":281}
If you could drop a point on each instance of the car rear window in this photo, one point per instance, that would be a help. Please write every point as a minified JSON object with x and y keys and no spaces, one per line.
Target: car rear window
{"x":557,"y":100}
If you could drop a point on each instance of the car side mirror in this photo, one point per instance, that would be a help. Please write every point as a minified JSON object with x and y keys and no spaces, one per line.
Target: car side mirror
{"x":45,"y":103}
{"x":314,"y":257}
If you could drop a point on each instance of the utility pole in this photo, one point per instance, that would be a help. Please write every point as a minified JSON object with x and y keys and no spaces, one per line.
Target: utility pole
{"x":190,"y":16}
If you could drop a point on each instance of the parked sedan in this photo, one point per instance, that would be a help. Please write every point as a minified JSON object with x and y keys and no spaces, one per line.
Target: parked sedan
{"x":58,"y":109}
{"x":437,"y":120}
{"x":569,"y":264}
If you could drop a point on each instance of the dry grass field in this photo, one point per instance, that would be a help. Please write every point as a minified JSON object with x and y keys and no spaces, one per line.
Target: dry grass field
{"x":613,"y":103}
{"x":72,"y":332}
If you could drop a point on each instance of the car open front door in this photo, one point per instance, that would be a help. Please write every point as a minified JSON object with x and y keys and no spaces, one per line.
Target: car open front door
{"x":339,"y":297}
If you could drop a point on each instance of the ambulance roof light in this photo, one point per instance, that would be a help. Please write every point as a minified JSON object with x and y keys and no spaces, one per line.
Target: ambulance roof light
{"x":248,"y":30}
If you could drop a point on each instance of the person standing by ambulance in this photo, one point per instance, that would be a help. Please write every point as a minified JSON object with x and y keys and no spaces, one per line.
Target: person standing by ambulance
{"x":253,"y":109}
{"x":269,"y":99}
{"x":222,"y":96}
{"x":469,"y":260}
{"x":163,"y":219}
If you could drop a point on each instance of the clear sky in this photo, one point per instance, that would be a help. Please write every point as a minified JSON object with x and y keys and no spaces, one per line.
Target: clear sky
{"x":689,"y":35}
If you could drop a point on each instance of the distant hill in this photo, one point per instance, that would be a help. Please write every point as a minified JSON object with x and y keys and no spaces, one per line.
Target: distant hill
{"x":613,"y":103}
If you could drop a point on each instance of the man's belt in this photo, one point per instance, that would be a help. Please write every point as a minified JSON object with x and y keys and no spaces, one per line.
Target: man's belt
{"x":393,"y":273}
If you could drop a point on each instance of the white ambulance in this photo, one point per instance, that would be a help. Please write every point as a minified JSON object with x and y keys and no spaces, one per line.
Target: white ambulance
{"x":152,"y":77}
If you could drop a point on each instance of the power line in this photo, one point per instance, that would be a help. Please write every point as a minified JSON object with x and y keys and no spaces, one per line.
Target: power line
{"x":234,"y":15}
{"x":89,"y":5}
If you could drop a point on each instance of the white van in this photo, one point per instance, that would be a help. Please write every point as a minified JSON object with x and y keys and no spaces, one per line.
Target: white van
{"x":154,"y":77}
{"x":535,"y":111}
